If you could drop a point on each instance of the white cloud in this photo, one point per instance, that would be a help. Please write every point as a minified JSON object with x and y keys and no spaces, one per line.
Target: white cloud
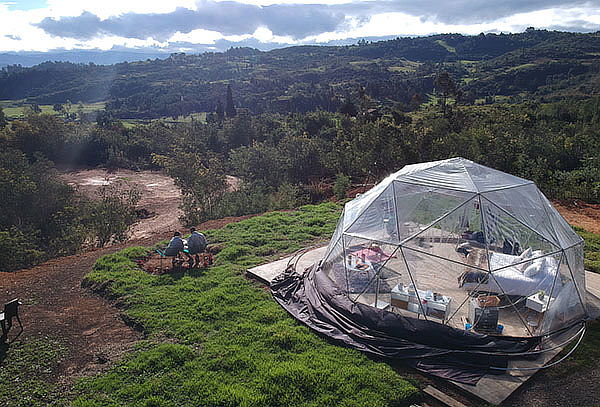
{"x":18,"y":31}
{"x":263,"y":34}
{"x":387,"y":24}
{"x":197,"y":37}
{"x":107,"y":8}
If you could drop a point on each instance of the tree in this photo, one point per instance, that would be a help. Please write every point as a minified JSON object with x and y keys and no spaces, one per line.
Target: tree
{"x":40,"y":133}
{"x":111,"y":215}
{"x":341,"y":186}
{"x":445,"y":87}
{"x":202,"y":184}
{"x":229,"y":106}
{"x":219,"y":111}
{"x":349,"y":109}
{"x":3,"y":120}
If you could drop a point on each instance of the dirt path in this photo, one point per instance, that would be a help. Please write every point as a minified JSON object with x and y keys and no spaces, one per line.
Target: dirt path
{"x":55,"y":305}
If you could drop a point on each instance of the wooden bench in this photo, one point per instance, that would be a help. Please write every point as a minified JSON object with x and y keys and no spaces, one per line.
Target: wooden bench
{"x":11,"y":310}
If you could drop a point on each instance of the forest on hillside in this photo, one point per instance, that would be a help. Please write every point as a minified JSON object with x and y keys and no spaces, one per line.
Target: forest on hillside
{"x":284,"y":160}
{"x":535,"y":65}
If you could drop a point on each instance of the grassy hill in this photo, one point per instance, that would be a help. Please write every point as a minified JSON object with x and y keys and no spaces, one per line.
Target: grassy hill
{"x":547,"y":65}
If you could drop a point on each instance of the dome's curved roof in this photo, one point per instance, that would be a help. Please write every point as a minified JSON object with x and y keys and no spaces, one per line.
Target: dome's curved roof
{"x":466,"y":179}
{"x":458,"y":174}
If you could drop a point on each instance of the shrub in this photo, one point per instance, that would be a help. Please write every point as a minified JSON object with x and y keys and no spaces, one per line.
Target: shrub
{"x":17,"y":250}
{"x":287,"y":196}
{"x":341,"y":186}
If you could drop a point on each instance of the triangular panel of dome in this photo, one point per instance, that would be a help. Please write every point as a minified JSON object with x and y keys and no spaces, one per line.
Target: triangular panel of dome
{"x":419,"y":206}
{"x":489,"y":179}
{"x":337,"y":235}
{"x":354,"y":208}
{"x":565,"y":233}
{"x":455,"y":237}
{"x":333,"y":264}
{"x":524,"y":204}
{"x":378,"y":220}
{"x":379,"y":291}
{"x":439,"y":283}
{"x":574,"y":256}
{"x":393,"y":278}
{"x":508,"y":240}
{"x":561,"y":307}
{"x":364,"y":258}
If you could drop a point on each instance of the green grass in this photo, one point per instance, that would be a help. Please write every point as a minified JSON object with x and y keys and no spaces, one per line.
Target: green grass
{"x":446,"y":46}
{"x":199,"y":117}
{"x":26,"y":373}
{"x":228,"y":343}
{"x":592,"y":249}
{"x":16,"y":109}
{"x":218,"y":339}
{"x":585,"y":357}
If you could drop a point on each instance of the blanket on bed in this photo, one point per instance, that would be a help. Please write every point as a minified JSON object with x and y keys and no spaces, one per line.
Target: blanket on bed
{"x":511,"y":280}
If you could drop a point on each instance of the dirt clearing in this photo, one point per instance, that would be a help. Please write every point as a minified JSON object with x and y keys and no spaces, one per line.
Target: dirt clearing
{"x":579,"y":213}
{"x":160,"y":197}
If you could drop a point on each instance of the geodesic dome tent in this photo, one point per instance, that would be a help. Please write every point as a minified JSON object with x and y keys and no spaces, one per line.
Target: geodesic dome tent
{"x":451,"y":257}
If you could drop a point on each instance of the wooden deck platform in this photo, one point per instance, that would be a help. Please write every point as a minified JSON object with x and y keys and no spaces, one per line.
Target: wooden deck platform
{"x":267,"y":272}
{"x":492,"y":388}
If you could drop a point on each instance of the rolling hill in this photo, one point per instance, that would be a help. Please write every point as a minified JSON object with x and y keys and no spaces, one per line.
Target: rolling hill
{"x":536,"y":64}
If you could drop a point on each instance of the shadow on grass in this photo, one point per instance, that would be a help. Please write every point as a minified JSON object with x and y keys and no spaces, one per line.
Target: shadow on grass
{"x":179,"y":273}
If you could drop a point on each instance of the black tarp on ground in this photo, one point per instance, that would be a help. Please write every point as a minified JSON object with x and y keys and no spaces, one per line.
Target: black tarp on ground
{"x":428,"y":346}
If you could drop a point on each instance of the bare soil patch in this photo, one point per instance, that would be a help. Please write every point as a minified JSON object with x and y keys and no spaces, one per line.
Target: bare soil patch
{"x":580,"y":214}
{"x":55,"y":305}
{"x":159,"y":203}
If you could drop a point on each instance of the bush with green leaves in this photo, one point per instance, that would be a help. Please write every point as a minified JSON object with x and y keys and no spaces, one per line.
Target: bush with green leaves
{"x":341,"y":186}
{"x":110,"y":215}
{"x":18,"y":250}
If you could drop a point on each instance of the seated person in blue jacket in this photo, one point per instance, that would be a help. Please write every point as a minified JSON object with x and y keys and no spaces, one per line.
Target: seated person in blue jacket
{"x":196,"y":244}
{"x":175,"y":245}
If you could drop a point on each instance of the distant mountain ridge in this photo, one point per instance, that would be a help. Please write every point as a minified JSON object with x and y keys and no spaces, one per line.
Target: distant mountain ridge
{"x":29,"y":59}
{"x":538,"y":64}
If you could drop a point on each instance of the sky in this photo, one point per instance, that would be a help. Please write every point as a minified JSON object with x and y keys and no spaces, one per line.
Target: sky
{"x":213,"y":25}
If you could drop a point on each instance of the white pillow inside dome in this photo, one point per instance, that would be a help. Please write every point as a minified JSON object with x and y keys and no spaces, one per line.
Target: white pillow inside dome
{"x":535,"y":267}
{"x":520,"y":262}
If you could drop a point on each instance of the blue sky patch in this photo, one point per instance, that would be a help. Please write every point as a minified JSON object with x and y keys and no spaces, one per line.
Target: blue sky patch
{"x":24,"y":4}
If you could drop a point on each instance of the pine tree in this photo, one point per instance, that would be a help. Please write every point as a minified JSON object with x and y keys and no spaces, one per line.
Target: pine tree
{"x":219,"y":111}
{"x":229,"y":107}
{"x":3,"y":120}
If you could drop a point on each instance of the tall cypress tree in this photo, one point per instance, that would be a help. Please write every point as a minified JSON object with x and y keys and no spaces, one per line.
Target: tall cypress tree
{"x":219,"y":111}
{"x":229,"y":107}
